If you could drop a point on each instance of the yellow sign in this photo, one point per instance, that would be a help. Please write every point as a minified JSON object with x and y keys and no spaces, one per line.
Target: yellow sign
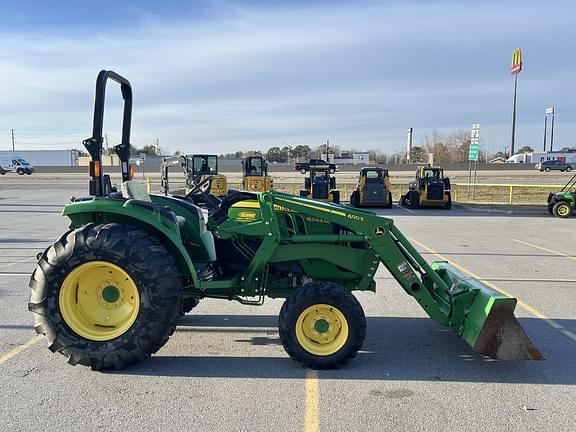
{"x":516,"y":61}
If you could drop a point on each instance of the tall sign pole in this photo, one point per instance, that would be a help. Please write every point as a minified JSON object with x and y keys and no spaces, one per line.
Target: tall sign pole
{"x":549,"y":114}
{"x":409,"y":145}
{"x":515,"y":69}
{"x":473,"y":153}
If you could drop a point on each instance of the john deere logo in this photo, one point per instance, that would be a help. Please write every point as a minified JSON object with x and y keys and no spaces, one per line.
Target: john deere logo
{"x":246,"y":216}
{"x":516,"y":61}
{"x":379,"y":231}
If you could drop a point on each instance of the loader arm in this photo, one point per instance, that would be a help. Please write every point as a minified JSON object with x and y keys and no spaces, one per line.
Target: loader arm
{"x":483,"y":317}
{"x":392,"y":249}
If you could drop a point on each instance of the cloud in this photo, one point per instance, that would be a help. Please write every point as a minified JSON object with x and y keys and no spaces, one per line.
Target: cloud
{"x":242,"y":77}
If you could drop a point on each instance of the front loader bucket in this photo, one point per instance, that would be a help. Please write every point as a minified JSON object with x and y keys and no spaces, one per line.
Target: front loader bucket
{"x":488,"y":324}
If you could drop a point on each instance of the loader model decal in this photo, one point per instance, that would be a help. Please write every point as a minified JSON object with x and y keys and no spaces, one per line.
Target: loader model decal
{"x":404,"y":268}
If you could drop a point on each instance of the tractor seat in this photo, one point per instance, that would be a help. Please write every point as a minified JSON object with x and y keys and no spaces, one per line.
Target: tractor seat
{"x":136,"y":191}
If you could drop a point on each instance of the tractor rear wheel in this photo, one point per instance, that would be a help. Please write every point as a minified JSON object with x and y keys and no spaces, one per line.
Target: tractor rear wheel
{"x":322,"y":326}
{"x":562,"y":209}
{"x":106,"y":296}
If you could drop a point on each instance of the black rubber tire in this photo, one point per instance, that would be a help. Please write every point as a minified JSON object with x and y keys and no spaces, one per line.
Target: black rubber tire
{"x":547,"y":169}
{"x":322,"y":293}
{"x":568,"y":169}
{"x":189,"y":304}
{"x":557,"y":206}
{"x":355,"y":199}
{"x":303,"y":171}
{"x":413,"y":199}
{"x":402,"y":200}
{"x":336,"y":197}
{"x":144,"y":258}
{"x":20,"y":171}
{"x":448,"y":204}
{"x":352,"y":198}
{"x":389,"y":205}
{"x":29,"y":173}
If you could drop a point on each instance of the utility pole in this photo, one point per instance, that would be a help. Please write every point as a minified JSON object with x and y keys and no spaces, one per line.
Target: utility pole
{"x":157,"y":146}
{"x":13,"y":149}
{"x":515,"y":69}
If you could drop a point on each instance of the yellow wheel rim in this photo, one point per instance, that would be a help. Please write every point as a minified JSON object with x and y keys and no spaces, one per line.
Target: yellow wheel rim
{"x":563,"y":210}
{"x":322,"y":330}
{"x":99,"y":301}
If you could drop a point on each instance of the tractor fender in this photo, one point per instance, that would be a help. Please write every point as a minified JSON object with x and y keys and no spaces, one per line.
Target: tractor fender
{"x":140,"y":213}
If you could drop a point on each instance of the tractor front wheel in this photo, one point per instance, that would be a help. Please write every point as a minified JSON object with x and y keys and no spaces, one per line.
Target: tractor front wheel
{"x":413,"y":199}
{"x":322,"y":326}
{"x":562,"y":209}
{"x":106,"y":296}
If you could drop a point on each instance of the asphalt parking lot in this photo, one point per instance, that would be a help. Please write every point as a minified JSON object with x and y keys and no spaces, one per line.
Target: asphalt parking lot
{"x":225,"y":369}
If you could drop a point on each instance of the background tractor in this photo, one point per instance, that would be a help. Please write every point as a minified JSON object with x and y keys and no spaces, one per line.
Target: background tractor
{"x":320,"y":185}
{"x":431,"y":189}
{"x":255,"y":174}
{"x":109,"y":291}
{"x":563,"y":204}
{"x":373,"y":188}
{"x":203,"y":177}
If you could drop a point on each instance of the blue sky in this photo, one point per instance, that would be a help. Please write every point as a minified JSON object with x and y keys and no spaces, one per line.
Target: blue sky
{"x":220,"y":76}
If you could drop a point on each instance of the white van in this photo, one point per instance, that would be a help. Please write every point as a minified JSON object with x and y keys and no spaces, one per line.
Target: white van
{"x":15,"y":164}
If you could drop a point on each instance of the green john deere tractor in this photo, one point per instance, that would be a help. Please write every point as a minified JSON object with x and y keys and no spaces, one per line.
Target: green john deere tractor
{"x":563,"y":204}
{"x":109,"y":292}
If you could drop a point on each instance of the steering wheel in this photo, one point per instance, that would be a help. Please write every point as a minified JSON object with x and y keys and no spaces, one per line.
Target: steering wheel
{"x":201,"y":188}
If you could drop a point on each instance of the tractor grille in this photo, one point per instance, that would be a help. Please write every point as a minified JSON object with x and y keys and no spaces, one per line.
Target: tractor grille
{"x":374,"y":193}
{"x":320,"y":191}
{"x":435,"y":192}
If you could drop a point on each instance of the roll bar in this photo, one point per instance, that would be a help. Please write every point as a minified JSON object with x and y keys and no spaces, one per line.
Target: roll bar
{"x":99,"y":184}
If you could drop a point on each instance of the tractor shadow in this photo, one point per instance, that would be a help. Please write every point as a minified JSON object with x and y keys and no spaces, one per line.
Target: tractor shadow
{"x":395,"y":349}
